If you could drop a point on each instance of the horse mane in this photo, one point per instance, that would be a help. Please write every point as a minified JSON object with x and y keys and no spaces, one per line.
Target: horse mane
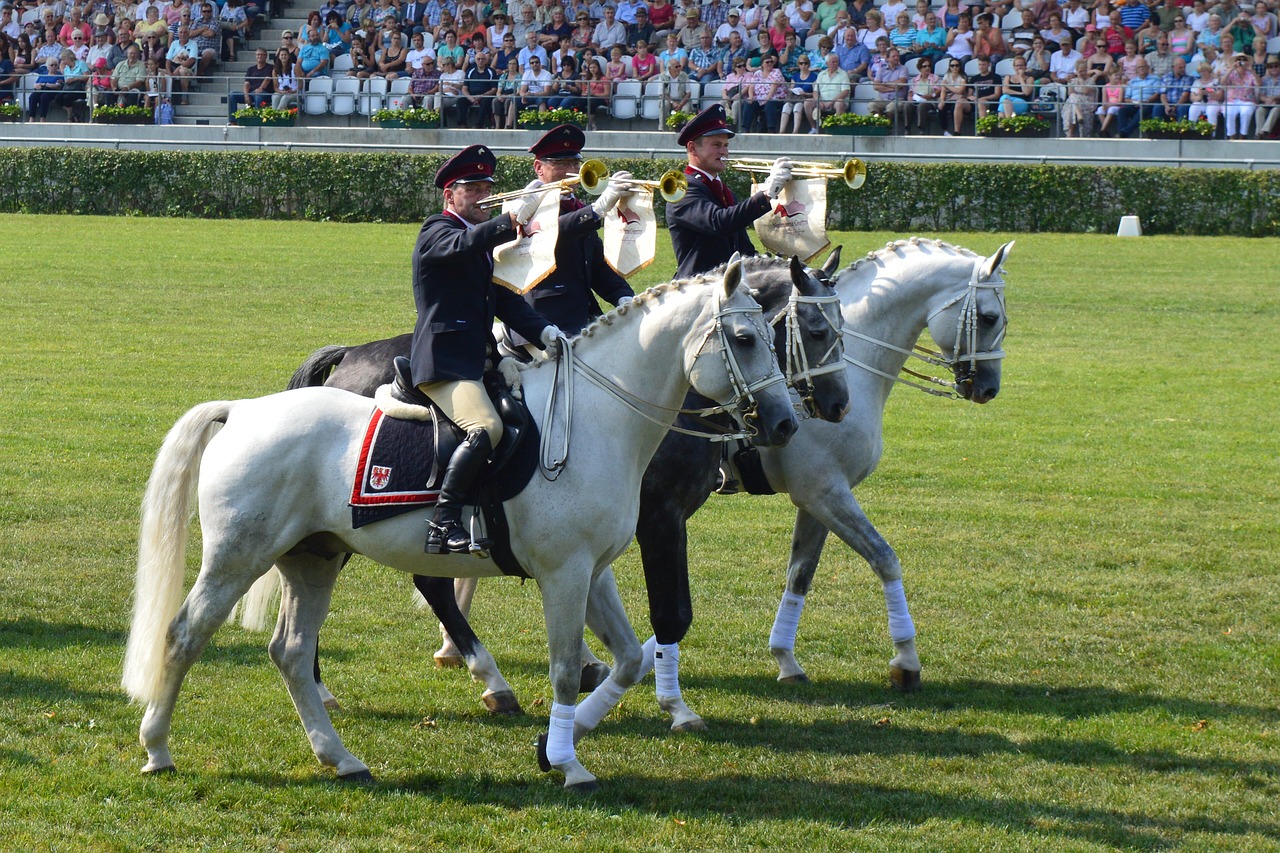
{"x":894,"y":246}
{"x":750,"y":264}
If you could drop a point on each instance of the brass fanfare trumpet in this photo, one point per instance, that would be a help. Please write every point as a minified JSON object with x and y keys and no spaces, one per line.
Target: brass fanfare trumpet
{"x":852,"y":172}
{"x":671,"y":186}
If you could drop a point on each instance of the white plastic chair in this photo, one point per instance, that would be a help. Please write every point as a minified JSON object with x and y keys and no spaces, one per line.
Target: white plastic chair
{"x":811,"y":43}
{"x":342,"y":63}
{"x":316,"y":101}
{"x":629,"y":63}
{"x":940,"y":67}
{"x":398,"y":97}
{"x":1273,"y":44}
{"x":913,"y":65}
{"x":343,"y":100}
{"x":371,"y":97}
{"x":626,"y":97}
{"x":863,"y":95}
{"x":1004,"y":67}
{"x":711,"y":93}
{"x":971,"y":67}
{"x":651,"y":103}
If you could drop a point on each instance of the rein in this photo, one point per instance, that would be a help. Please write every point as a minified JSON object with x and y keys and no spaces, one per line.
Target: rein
{"x":798,"y":370}
{"x":744,"y":393}
{"x":966,"y":333}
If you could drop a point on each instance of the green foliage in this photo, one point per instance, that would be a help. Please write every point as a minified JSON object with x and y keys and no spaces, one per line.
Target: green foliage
{"x":678,"y":119}
{"x":899,"y":197}
{"x":419,"y":116}
{"x":10,"y":110}
{"x":551,"y":117}
{"x":1180,"y":129}
{"x":855,"y":120}
{"x":992,"y":125}
{"x":267,"y":114}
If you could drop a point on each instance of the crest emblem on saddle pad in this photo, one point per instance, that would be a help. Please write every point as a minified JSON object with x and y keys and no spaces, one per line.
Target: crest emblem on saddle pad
{"x":379,"y":476}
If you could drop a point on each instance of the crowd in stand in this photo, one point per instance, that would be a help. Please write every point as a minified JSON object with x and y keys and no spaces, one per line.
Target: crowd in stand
{"x":781,"y":66}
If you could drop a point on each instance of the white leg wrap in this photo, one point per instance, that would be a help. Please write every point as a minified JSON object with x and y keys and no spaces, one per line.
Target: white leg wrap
{"x":560,"y":735}
{"x":900,"y":625}
{"x":647,"y":651}
{"x":666,"y":664}
{"x":787,"y":622}
{"x":601,"y":701}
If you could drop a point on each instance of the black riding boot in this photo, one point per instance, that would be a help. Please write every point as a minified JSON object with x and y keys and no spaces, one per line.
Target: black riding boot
{"x":445,"y":532}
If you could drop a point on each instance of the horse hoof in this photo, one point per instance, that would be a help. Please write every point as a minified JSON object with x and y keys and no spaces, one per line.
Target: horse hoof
{"x":332,"y":704}
{"x":906,"y":680}
{"x":502,"y":702}
{"x":582,"y":788}
{"x":794,"y":679}
{"x":593,"y":675}
{"x":541,"y":746}
{"x":159,"y":771}
{"x":360,"y":777}
{"x":695,"y":725}
{"x":448,"y":661}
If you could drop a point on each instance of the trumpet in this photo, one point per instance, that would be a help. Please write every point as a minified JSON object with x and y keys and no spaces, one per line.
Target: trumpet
{"x":671,"y":186}
{"x":852,"y":172}
{"x":502,"y":198}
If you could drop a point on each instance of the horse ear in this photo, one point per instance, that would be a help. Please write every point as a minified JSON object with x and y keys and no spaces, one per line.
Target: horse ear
{"x":800,"y":278}
{"x":832,"y":264}
{"x":993,"y":263}
{"x":732,"y":274}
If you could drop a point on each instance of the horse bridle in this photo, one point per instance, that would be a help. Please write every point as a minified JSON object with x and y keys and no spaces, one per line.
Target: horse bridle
{"x":966,"y":336}
{"x":799,"y":373}
{"x":744,"y":400}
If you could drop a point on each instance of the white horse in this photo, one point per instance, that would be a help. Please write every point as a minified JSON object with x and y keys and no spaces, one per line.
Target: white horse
{"x":273,"y":485}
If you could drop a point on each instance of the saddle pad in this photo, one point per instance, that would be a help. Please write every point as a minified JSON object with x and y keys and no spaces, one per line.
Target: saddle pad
{"x":396,"y":471}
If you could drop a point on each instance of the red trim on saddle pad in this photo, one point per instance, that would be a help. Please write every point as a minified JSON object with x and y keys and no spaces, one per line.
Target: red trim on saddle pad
{"x":362,"y":491}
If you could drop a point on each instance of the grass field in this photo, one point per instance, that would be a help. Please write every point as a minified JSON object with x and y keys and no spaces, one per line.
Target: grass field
{"x":1091,"y":562}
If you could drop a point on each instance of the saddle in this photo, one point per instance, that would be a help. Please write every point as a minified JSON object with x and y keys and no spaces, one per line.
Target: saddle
{"x":406,"y":451}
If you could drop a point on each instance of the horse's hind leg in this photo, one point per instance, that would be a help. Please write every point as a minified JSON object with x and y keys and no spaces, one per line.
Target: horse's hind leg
{"x":440,"y":594}
{"x":206,"y":607}
{"x":304,"y":602}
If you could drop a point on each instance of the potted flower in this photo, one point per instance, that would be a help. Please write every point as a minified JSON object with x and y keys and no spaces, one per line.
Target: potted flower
{"x":535,"y":120}
{"x":1155,"y":128}
{"x":10,"y":112}
{"x":107,"y":114}
{"x":677,"y":120}
{"x":265,"y":117}
{"x":412,"y":117}
{"x":1027,"y":125}
{"x":852,"y":124}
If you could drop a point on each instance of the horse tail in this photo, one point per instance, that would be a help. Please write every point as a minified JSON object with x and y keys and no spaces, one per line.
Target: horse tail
{"x":254,"y":608}
{"x":315,"y":370}
{"x":162,"y":546}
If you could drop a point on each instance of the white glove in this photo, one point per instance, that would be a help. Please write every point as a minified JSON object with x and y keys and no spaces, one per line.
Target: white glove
{"x":510,"y":370}
{"x":550,"y":339}
{"x":525,"y":207}
{"x":779,"y":177}
{"x":614,"y":191}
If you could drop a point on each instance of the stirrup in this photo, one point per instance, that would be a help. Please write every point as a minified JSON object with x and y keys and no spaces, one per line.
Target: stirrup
{"x":447,"y":538}
{"x":726,"y":483}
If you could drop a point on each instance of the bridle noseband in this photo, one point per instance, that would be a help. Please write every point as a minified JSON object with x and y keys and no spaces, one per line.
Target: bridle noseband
{"x":799,"y":373}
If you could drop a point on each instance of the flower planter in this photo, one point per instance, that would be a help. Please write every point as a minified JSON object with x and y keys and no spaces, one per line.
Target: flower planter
{"x":857,"y":130}
{"x":4,"y":118}
{"x":1025,"y":134}
{"x":547,"y":125}
{"x":255,"y":121}
{"x":1167,"y":134}
{"x":400,"y":123}
{"x":124,"y":120}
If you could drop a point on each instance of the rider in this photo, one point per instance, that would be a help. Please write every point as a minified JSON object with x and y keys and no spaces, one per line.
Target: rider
{"x":457,"y":301}
{"x":567,"y":296}
{"x":708,"y":225}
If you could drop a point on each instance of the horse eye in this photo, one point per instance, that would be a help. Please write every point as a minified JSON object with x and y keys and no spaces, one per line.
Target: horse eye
{"x":990,"y":319}
{"x":745,"y":339}
{"x":818,"y":334}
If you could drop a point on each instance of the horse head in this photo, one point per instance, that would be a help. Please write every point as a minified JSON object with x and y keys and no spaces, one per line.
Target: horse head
{"x":970,"y":328}
{"x":735,"y":364}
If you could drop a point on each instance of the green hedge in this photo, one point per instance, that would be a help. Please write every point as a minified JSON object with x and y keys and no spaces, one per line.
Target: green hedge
{"x":905,"y":197}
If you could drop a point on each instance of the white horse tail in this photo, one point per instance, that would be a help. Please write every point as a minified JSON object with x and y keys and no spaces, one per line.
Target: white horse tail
{"x":162,"y":546}
{"x":255,"y":608}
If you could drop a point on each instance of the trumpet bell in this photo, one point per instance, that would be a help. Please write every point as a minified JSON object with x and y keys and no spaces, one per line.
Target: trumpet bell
{"x":673,"y":185}
{"x":593,"y":176}
{"x":855,"y":173}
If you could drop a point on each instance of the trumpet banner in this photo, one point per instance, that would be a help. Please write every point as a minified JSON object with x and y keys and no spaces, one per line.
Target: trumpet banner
{"x":630,"y":234}
{"x":522,"y":264}
{"x":797,"y":224}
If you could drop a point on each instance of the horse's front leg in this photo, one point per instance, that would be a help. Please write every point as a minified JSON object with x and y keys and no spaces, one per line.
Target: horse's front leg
{"x":844,"y":517}
{"x":564,"y":608}
{"x":608,"y":621}
{"x":450,"y":608}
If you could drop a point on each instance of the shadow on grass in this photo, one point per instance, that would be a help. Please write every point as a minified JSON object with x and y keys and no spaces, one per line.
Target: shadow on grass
{"x":47,"y":636}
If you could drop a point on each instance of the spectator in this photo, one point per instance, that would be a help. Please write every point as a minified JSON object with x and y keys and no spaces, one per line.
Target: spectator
{"x":931,"y":39}
{"x":799,"y":101}
{"x":507,"y":51}
{"x":450,"y":48}
{"x":673,"y":53}
{"x":1017,"y":90}
{"x":1077,"y":109}
{"x":1211,"y":35}
{"x":609,"y":32}
{"x":24,"y":55}
{"x":469,"y":26}
{"x":853,"y":55}
{"x":1269,"y":100}
{"x":357,"y":11}
{"x":1062,"y":65}
{"x":566,"y":86}
{"x":735,"y":85}
{"x":314,"y":59}
{"x":988,"y":41}
{"x":662,"y":15}
{"x":1242,"y":31}
{"x":233,"y":24}
{"x":75,"y":84}
{"x":1263,"y":20}
{"x":952,"y":11}
{"x":984,"y":88}
{"x":1182,"y":41}
{"x":557,"y":28}
{"x":452,"y":82}
{"x":1040,"y":61}
{"x":258,"y":84}
{"x":46,"y":89}
{"x":504,"y":106}
{"x":644,"y":65}
{"x":764,"y":98}
{"x":1021,"y":36}
{"x":763,"y":49}
{"x":597,"y":92}
{"x":155,"y":28}
{"x":1241,"y":95}
{"x":9,"y":25}
{"x":129,"y":78}
{"x":1075,"y":17}
{"x":1112,"y":101}
{"x":525,"y":24}
{"x":290,"y":44}
{"x":583,"y":31}
{"x":1056,"y":32}
{"x":532,"y":49}
{"x":1206,"y":96}
{"x":535,"y":86}
{"x":499,"y":27}
{"x":675,"y":90}
{"x":833,"y":91}
{"x":704,"y":60}
{"x":954,"y":104}
{"x":800,"y":18}
{"x":337,"y":35}
{"x":960,"y":40}
{"x":181,"y":60}
{"x":778,"y":30}
{"x":204,"y":28}
{"x":691,"y":35}
{"x":925,"y":100}
{"x":1160,"y":60}
{"x":103,"y":49}
{"x":1147,"y":35}
{"x":1175,"y":94}
{"x":641,"y":29}
{"x":363,"y":64}
{"x":890,"y":83}
{"x":418,"y":51}
{"x":75,"y":25}
{"x":382,"y":9}
{"x":1259,"y":57}
{"x":424,"y":84}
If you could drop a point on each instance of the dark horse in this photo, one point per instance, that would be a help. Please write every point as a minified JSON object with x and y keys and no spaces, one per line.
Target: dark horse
{"x":682,"y":474}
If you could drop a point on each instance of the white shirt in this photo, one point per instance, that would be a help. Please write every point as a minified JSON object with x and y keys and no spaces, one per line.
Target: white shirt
{"x":413,"y":59}
{"x":1063,"y":65}
{"x":1198,"y":22}
{"x":538,"y":83}
{"x":722,"y":33}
